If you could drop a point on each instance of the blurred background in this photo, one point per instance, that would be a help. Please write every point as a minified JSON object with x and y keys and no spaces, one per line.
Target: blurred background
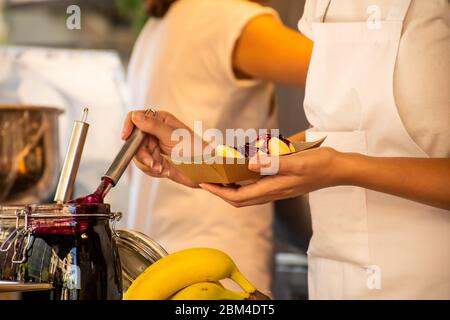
{"x":50,"y":74}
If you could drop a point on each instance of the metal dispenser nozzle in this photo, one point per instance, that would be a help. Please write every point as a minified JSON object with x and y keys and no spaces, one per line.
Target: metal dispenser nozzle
{"x":72,"y":160}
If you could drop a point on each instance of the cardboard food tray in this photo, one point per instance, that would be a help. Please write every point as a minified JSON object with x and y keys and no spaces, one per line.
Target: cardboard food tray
{"x":228,"y":173}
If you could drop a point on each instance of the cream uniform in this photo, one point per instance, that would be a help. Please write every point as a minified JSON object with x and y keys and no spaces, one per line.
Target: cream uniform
{"x":378,"y":87}
{"x":183,"y":64}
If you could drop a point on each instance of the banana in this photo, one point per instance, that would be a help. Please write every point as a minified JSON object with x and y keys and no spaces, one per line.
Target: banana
{"x":228,"y":152}
{"x":182,"y":269}
{"x":278,"y":147}
{"x":208,"y":291}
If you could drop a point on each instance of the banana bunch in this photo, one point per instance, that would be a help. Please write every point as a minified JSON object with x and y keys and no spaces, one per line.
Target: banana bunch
{"x":191,"y":274}
{"x":208,"y":291}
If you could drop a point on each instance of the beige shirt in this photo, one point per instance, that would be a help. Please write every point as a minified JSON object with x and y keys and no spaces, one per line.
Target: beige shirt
{"x":422,"y":75}
{"x":183,"y":64}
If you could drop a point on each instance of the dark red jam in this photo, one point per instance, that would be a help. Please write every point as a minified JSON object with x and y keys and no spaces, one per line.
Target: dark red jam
{"x":99,"y":195}
{"x":73,"y":249}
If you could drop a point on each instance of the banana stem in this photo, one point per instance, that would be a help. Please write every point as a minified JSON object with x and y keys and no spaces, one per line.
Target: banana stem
{"x":233,"y":295}
{"x":242,"y":281}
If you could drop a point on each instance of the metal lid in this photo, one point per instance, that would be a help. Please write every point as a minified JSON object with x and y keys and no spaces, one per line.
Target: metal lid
{"x":56,"y":210}
{"x":137,"y":252}
{"x":28,"y":107}
{"x":19,"y":286}
{"x":12,"y":210}
{"x":69,"y":209}
{"x":12,"y":213}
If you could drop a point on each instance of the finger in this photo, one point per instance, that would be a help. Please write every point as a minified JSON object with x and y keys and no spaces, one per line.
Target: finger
{"x":128,"y":127}
{"x":152,"y":160}
{"x":155,"y":126}
{"x":217,"y":191}
{"x":166,"y":168}
{"x":151,"y":143}
{"x":240,"y":203}
{"x":264,"y":190}
{"x":141,"y":166}
{"x":144,"y":157}
{"x":170,"y":120}
{"x":226,"y":193}
{"x":292,"y":164}
{"x":155,"y":167}
{"x":258,"y":162}
{"x":287,"y":164}
{"x":147,"y":170}
{"x":156,"y":155}
{"x":242,"y":195}
{"x":150,"y":149}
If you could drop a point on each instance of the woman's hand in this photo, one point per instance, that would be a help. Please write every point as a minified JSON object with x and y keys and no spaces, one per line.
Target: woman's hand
{"x":424,"y":180}
{"x":298,"y":173}
{"x":158,"y":141}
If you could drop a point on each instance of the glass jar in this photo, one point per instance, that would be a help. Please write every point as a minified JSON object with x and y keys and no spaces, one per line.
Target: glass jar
{"x":69,"y":246}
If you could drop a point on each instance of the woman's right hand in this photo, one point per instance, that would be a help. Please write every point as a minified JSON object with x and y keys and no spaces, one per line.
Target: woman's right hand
{"x":159,"y":128}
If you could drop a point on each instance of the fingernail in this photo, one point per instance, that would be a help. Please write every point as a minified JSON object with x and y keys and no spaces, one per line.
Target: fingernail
{"x":149,"y":162}
{"x":253,"y":164}
{"x":166,"y":173}
{"x":264,"y":161}
{"x":159,"y":168}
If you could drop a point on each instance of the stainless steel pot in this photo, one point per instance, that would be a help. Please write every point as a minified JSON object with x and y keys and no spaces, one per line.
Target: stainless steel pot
{"x":29,"y":153}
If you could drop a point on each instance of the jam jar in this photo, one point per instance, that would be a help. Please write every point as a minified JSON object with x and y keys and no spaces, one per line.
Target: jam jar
{"x":71,"y":247}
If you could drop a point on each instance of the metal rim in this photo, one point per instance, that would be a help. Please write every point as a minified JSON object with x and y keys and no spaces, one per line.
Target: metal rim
{"x":146,"y":246}
{"x":65,"y":207}
{"x":63,"y":211}
{"x":61,"y":216}
{"x":29,"y":107}
{"x":19,"y":286}
{"x":71,"y":216}
{"x":142,"y":247}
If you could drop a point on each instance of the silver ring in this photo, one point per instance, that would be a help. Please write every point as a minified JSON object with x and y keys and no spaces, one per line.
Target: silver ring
{"x":154,"y":113}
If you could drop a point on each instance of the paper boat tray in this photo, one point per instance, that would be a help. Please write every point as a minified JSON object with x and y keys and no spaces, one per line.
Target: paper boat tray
{"x":226,"y":172}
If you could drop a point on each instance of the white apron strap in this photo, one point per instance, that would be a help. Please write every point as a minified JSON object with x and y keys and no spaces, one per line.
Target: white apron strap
{"x":398,"y":11}
{"x":321,"y":10}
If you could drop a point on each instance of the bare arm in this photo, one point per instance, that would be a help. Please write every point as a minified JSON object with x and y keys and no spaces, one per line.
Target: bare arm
{"x":270,"y":51}
{"x":299,"y":136}
{"x":419,"y":179}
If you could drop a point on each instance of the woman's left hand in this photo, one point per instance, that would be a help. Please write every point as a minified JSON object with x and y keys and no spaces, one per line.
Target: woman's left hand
{"x":298,"y":173}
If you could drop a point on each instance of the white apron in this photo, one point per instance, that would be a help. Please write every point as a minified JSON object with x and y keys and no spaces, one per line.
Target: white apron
{"x":366,"y":244}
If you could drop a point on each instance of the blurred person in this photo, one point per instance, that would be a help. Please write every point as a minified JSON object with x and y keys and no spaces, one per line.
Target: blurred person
{"x":2,"y":23}
{"x":185,"y":61}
